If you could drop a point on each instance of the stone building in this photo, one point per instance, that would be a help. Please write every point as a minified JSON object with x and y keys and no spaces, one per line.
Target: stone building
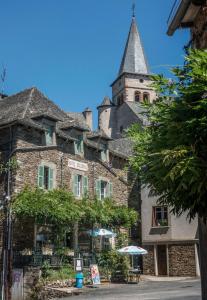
{"x":53,"y":149}
{"x":132,"y":86}
{"x":190,"y":14}
{"x":171,"y":241}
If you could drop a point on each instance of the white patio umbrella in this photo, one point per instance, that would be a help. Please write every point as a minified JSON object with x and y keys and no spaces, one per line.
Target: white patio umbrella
{"x":132,"y":250}
{"x":102,"y":232}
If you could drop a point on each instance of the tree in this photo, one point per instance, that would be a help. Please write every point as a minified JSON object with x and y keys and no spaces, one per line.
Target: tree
{"x":171,"y":152}
{"x":59,"y":208}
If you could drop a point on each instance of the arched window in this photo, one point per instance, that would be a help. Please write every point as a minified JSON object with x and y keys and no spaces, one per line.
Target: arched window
{"x":137,"y":96}
{"x":146,"y":97}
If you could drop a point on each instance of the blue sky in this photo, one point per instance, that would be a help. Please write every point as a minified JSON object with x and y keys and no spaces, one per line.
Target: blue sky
{"x":71,"y":50}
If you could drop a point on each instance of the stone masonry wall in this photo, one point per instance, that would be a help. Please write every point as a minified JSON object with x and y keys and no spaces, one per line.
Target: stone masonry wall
{"x":182,"y":260}
{"x":148,"y":261}
{"x":57,"y":157}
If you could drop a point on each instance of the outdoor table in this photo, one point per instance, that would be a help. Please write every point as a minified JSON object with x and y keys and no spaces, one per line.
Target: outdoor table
{"x":133,"y":273}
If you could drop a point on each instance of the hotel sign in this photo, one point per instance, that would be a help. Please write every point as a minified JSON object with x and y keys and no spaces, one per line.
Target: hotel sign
{"x":77,"y":165}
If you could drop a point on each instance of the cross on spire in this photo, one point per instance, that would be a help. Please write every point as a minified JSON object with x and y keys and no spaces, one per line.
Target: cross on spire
{"x":133,"y":10}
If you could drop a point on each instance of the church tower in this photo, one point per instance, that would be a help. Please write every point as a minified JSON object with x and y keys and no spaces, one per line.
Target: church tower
{"x":133,"y":80}
{"x":131,"y":87}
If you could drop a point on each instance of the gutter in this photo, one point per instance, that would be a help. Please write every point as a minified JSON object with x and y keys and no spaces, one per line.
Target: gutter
{"x":181,"y":11}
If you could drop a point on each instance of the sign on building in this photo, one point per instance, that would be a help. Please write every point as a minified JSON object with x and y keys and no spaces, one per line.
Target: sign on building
{"x":77,"y":165}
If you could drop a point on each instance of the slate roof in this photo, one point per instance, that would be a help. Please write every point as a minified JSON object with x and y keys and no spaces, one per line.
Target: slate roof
{"x":28,"y":104}
{"x":78,"y":120}
{"x":138,"y":110}
{"x":122,"y":146}
{"x":106,"y":102}
{"x":134,"y":60}
{"x":97,"y":134}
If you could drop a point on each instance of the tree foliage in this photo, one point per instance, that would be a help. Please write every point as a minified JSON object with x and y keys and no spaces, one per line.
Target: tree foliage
{"x":171,"y":152}
{"x":107,"y":213}
{"x":57,"y":206}
{"x":60,"y":207}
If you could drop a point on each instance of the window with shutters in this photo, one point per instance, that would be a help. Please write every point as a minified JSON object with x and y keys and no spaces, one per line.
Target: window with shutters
{"x":79,"y":146}
{"x":103,"y":189}
{"x":45,"y":177}
{"x":80,"y":185}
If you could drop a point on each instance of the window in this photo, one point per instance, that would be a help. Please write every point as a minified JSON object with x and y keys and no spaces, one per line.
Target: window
{"x":105,"y":154}
{"x":121,"y":129}
{"x":141,"y":80}
{"x":45,"y":177}
{"x":103,"y":189}
{"x":79,"y":147}
{"x":80,"y":185}
{"x":49,"y":135}
{"x":159,"y":216}
{"x":146,"y":97}
{"x":137,"y":96}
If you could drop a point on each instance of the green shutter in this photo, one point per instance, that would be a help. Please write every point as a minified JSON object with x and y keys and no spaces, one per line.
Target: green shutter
{"x":85,"y":185}
{"x":41,"y":177}
{"x":50,"y":179}
{"x":98,"y":189}
{"x":110,"y":190}
{"x":75,"y":185}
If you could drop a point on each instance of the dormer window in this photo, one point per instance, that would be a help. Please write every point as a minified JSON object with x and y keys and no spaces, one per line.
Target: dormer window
{"x":137,"y":96}
{"x":105,"y":154}
{"x":49,"y":135}
{"x":79,"y":147}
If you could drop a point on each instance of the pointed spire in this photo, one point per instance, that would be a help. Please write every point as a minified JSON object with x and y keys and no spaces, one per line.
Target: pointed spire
{"x":134,"y":60}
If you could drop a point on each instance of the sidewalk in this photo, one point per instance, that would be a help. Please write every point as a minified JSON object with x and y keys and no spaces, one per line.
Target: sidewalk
{"x":165,"y":278}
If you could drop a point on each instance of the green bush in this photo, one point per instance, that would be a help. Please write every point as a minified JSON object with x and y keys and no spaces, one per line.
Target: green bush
{"x":64,"y":272}
{"x":111,"y":261}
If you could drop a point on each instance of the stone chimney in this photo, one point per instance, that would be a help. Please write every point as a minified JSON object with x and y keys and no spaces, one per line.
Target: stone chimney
{"x":88,"y":117}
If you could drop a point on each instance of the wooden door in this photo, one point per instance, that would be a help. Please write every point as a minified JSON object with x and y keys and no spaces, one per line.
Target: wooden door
{"x":162,"y":260}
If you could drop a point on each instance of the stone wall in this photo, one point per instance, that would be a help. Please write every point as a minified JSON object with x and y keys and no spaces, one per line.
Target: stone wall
{"x":182,"y":260}
{"x":148,"y":261}
{"x":30,"y":155}
{"x":31,"y":277}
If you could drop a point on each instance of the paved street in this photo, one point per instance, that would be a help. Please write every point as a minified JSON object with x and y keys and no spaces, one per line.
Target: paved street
{"x":145,"y":290}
